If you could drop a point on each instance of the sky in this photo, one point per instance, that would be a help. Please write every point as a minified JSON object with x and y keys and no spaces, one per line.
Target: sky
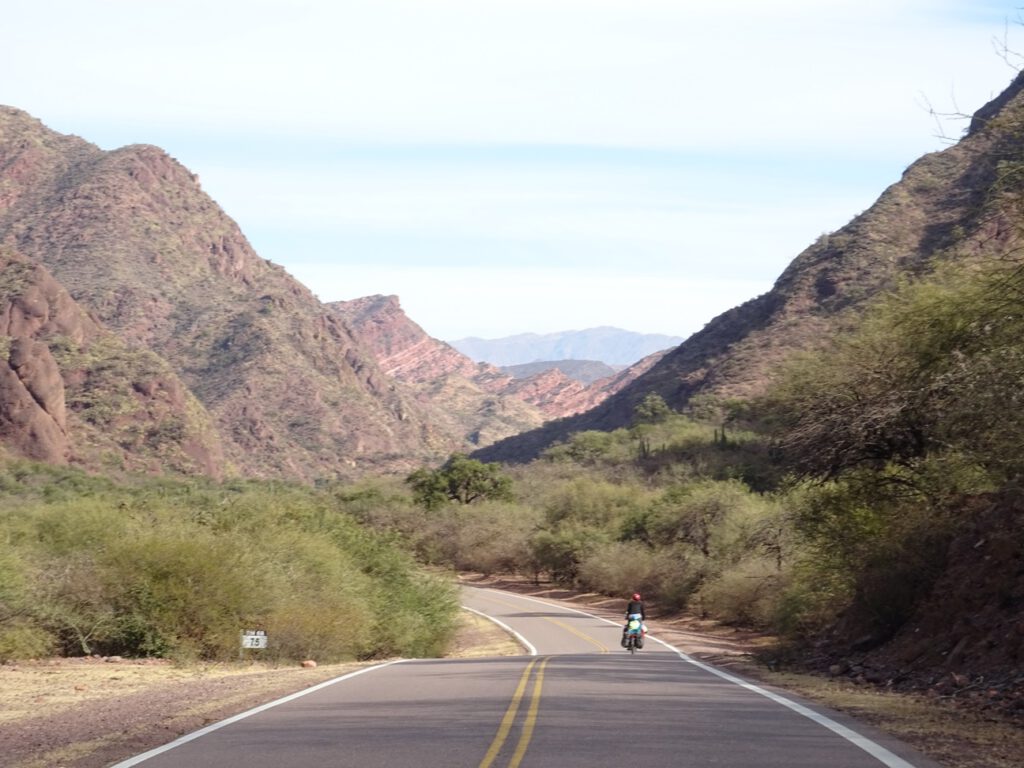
{"x":512,"y":166}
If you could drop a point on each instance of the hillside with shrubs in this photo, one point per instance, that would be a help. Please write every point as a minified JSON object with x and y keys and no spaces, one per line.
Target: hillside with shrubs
{"x":956,"y":206}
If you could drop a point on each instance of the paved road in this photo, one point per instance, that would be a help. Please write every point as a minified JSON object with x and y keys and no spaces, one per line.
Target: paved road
{"x":580,"y":700}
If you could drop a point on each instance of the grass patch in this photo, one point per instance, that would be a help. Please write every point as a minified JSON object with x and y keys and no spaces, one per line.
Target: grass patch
{"x":478,"y":637}
{"x":947,"y":733}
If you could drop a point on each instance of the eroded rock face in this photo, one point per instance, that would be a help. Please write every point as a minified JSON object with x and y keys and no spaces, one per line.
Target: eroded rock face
{"x":72,"y":392}
{"x":36,"y":369}
{"x":33,"y":420}
{"x":554,"y":393}
{"x":33,"y":410}
{"x":402,"y":349}
{"x":37,"y":304}
{"x":464,"y":397}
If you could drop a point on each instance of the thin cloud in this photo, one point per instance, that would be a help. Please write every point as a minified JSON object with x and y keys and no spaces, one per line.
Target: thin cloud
{"x":367,"y":146}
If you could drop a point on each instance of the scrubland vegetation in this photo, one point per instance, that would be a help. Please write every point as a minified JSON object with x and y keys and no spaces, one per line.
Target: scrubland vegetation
{"x":180,"y":568}
{"x":833,"y":497}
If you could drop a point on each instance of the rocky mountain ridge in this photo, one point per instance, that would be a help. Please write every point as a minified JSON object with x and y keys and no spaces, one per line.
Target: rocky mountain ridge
{"x":955,"y":204}
{"x":583,"y":371}
{"x":136,"y":242}
{"x":459,"y":391}
{"x":268,"y":382}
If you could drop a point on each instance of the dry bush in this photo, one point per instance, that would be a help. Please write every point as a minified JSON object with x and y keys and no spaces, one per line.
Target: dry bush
{"x":20,"y":639}
{"x":495,"y":537}
{"x":620,"y":568}
{"x":747,"y":593}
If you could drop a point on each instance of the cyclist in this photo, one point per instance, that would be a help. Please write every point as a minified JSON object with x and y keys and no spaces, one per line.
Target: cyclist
{"x":635,"y":610}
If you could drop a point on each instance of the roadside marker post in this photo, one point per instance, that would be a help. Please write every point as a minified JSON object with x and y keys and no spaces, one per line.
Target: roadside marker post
{"x":252,"y":638}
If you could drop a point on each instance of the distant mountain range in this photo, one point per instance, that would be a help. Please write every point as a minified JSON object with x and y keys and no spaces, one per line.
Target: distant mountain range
{"x":612,"y":346}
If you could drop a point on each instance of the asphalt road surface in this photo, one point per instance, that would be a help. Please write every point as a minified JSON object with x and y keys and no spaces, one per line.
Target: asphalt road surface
{"x":574,"y":699}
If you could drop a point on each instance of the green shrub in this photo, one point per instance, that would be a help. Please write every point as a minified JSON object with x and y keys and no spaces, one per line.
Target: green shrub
{"x":712,"y":517}
{"x":871,"y":550}
{"x":169,"y":568}
{"x":560,"y":552}
{"x":495,"y":538}
{"x":588,"y":448}
{"x":747,"y":593}
{"x":462,"y":480}
{"x":593,"y":502}
{"x":21,"y":639}
{"x":14,"y":583}
{"x":193,"y":593}
{"x":810,"y":601}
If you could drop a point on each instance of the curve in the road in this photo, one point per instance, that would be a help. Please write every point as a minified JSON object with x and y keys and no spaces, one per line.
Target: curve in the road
{"x":877,"y":751}
{"x":519,"y":638}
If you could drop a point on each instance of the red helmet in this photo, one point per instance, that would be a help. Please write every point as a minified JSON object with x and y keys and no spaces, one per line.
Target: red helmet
{"x":636,"y":596}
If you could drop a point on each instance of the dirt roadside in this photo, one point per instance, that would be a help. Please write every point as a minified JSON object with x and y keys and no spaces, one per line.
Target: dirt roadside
{"x":92,"y":713}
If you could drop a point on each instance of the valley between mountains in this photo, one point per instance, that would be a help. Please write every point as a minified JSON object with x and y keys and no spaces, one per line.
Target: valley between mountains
{"x":192,"y":443}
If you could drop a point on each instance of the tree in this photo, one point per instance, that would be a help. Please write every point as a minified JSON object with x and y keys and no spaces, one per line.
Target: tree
{"x":933,"y":370}
{"x":461,"y":479}
{"x":651,"y":410}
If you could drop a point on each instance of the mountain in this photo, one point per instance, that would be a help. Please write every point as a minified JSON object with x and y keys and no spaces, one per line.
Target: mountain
{"x":466,"y":397}
{"x":960,"y":203}
{"x":153,"y":260}
{"x":583,"y":371}
{"x":476,"y":400}
{"x":559,"y":396}
{"x":611,"y":346}
{"x":72,"y":392}
{"x":190,"y":353}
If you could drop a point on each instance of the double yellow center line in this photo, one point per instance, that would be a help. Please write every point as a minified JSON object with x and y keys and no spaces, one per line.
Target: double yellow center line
{"x":510,"y":717}
{"x":601,"y":647}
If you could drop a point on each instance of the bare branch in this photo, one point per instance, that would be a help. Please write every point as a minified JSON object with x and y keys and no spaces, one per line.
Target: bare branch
{"x":939,"y":117}
{"x":1012,"y":59}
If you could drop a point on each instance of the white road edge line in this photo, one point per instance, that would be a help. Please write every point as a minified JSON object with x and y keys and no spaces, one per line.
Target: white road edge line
{"x":263,"y":707}
{"x":874,"y":749}
{"x":525,"y":643}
